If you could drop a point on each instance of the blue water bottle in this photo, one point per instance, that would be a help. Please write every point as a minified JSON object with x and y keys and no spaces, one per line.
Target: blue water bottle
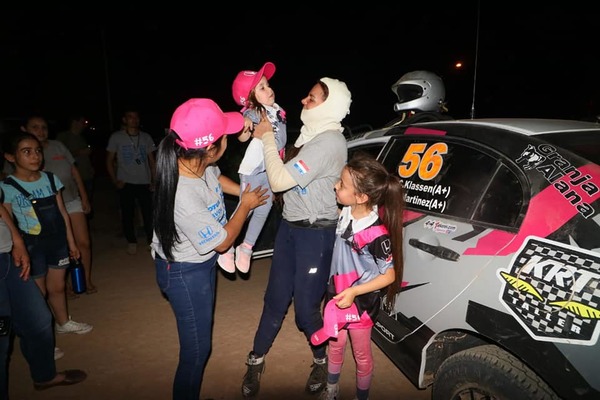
{"x":77,"y":277}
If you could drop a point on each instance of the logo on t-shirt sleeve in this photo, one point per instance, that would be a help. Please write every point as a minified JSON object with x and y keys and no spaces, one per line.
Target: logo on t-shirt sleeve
{"x":301,"y":166}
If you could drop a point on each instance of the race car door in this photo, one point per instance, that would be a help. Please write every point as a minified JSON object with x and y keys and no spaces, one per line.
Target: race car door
{"x":456,"y":191}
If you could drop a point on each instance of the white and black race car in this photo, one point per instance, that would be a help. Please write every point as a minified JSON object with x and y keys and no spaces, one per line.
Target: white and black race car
{"x":501,"y":296}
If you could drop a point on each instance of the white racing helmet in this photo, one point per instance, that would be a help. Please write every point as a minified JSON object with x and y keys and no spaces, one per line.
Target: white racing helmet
{"x":420,"y":91}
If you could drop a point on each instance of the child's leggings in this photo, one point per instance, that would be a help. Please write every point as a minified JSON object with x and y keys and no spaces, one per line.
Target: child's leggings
{"x":361,"y":350}
{"x":258,"y":216}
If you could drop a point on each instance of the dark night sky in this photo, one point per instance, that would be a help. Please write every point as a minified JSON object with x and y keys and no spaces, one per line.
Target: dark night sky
{"x":541,"y":63}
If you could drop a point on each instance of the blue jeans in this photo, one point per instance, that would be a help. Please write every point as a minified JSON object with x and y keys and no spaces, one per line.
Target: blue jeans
{"x":299,"y":270}
{"x":190,"y":289}
{"x":31,"y":320}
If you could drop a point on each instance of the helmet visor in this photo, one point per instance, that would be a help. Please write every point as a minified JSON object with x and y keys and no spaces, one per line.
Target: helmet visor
{"x":408,"y":92}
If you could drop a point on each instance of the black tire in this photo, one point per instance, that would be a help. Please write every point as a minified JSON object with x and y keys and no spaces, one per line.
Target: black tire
{"x":488,"y":373}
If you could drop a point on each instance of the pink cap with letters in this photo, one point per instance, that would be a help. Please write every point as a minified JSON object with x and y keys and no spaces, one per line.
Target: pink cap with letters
{"x":334,"y":319}
{"x":245,"y":81}
{"x":200,"y":122}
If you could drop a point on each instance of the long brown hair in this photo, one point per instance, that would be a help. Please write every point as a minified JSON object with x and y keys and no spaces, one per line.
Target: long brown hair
{"x":385,"y":191}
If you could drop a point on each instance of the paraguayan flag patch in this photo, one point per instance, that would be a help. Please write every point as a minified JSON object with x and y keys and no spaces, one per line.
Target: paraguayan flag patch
{"x":301,"y":167}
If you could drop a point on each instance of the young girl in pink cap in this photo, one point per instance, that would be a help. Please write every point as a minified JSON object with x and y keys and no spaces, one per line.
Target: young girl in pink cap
{"x":251,"y":90}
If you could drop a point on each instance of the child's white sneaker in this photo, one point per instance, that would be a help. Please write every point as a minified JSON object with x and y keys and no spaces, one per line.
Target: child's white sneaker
{"x":226,"y":261}
{"x":243,"y":256}
{"x":58,"y":353}
{"x":71,"y":326}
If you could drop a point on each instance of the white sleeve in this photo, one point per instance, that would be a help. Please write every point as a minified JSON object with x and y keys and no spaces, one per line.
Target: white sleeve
{"x":279,"y":178}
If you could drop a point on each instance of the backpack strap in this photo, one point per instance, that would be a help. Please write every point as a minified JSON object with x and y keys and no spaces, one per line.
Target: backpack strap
{"x":29,"y":196}
{"x":51,"y":179}
{"x":10,"y":181}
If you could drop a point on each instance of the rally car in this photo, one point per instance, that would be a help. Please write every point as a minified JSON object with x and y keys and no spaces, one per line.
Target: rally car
{"x":501,"y":283}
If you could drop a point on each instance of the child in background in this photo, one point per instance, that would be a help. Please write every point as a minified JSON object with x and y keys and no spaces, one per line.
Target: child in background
{"x":251,"y":90}
{"x":367,"y":257}
{"x":59,"y":160}
{"x":34,"y":198}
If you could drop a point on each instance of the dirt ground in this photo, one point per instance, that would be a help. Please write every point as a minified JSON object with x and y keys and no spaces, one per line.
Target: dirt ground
{"x":132,"y":351}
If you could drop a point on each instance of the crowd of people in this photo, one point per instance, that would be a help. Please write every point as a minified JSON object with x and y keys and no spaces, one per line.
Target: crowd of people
{"x":337,"y":248}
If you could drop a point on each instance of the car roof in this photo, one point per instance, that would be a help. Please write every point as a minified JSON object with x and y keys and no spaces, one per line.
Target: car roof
{"x":526,"y":126}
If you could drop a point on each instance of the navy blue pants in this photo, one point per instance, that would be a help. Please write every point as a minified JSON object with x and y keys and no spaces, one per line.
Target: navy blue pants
{"x":299,"y":271}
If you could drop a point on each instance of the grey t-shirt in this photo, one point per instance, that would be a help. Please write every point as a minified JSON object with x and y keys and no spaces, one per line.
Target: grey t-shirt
{"x":200,"y":215}
{"x":59,"y":160}
{"x":316,"y":168}
{"x":132,"y":156}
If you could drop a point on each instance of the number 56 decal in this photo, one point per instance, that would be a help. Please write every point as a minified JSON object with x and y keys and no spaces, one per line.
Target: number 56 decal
{"x":426,"y":161}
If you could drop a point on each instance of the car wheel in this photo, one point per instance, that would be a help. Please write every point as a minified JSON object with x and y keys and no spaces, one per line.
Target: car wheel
{"x":488,"y":373}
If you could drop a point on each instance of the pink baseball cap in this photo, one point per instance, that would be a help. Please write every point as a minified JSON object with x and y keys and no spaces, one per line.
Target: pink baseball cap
{"x":200,"y":122}
{"x":245,"y":81}
{"x":334,"y":319}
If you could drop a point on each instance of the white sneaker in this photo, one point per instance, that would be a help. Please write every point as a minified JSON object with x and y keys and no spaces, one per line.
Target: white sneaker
{"x":243,"y":256}
{"x":227,"y":261}
{"x":74,"y":327}
{"x":58,"y":354}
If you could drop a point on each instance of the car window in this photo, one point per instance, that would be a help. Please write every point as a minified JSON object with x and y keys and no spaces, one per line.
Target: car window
{"x":457,"y":180}
{"x":371,"y":149}
{"x":503,"y":202}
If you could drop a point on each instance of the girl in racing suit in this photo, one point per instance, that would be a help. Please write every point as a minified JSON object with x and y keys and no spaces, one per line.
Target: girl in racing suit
{"x":367,"y":258}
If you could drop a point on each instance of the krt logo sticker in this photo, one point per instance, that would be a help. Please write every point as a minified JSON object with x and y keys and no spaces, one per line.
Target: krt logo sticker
{"x":554,"y":291}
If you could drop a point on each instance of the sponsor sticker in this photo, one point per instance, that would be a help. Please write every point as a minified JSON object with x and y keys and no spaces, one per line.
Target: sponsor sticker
{"x":439,"y":226}
{"x":553,"y":290}
{"x":578,"y":186}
